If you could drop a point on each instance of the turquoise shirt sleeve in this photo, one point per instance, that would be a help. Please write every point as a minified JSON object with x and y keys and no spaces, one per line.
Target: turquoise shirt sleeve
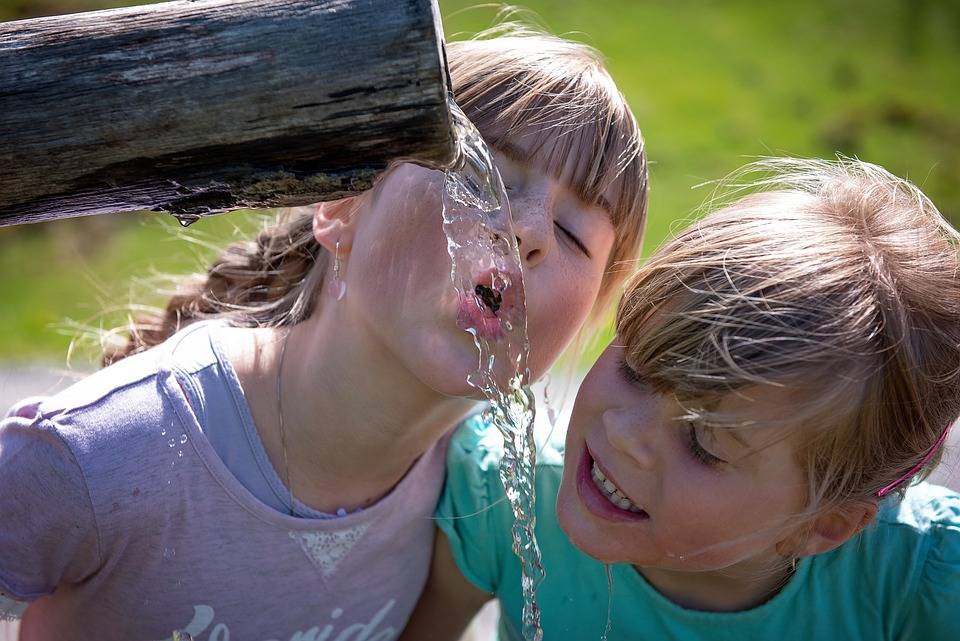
{"x":473,"y":511}
{"x":934,"y":611}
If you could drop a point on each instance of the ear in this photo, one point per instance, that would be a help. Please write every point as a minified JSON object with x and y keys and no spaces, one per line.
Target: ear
{"x":832,"y":529}
{"x":334,"y":221}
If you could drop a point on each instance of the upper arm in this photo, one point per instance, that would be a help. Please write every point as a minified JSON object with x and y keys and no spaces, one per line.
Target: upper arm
{"x":48,"y":534}
{"x":449,"y":601}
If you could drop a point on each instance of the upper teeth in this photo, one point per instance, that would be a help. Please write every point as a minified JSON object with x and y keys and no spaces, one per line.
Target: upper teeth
{"x":611,"y":491}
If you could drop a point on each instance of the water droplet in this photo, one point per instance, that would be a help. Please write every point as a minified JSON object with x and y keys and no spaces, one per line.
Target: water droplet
{"x":172,"y":442}
{"x":163,"y":432}
{"x":183,"y":439}
{"x":180,"y":454}
{"x":186,"y":220}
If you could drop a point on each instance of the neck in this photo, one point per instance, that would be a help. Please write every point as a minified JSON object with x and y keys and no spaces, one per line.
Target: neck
{"x":740,"y":587}
{"x":354,"y":419}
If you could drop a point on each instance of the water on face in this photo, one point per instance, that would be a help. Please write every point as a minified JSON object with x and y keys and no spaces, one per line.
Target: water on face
{"x":483,"y":246}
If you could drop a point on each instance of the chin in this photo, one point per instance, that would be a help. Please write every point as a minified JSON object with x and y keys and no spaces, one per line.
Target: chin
{"x":583,"y":530}
{"x":587,"y":540}
{"x":448,"y":376}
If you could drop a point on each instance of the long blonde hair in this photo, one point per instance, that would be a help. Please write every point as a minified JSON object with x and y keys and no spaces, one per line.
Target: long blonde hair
{"x":509,"y":81}
{"x":837,"y":281}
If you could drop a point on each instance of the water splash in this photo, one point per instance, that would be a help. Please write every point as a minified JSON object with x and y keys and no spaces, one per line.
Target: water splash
{"x":486,"y":271}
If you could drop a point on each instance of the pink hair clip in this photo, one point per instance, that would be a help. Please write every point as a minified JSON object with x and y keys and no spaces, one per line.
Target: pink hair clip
{"x":919,"y":466}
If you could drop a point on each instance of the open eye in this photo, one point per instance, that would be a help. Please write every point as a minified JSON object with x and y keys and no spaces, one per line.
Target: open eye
{"x":572,"y":238}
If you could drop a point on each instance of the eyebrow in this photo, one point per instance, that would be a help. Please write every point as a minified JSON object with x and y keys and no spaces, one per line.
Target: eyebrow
{"x":519,"y":154}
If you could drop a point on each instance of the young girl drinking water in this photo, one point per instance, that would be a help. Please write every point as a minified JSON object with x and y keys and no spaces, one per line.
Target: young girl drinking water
{"x":268,"y":467}
{"x":742,"y":454}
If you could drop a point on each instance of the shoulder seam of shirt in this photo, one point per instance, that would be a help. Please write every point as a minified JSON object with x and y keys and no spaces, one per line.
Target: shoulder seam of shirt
{"x":59,"y":410}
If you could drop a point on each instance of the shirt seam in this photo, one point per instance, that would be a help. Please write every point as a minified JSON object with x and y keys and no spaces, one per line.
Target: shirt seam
{"x":249,"y":428}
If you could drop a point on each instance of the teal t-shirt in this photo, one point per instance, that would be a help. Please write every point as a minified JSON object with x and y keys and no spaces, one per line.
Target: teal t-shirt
{"x":899,"y":579}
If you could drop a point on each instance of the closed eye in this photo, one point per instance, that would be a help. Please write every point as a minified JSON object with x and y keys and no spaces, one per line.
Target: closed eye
{"x":698,"y":451}
{"x":629,"y":374}
{"x":573,"y":239}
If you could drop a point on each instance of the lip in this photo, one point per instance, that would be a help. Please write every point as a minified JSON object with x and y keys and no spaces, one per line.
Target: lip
{"x":474,"y":316}
{"x":595,"y":502}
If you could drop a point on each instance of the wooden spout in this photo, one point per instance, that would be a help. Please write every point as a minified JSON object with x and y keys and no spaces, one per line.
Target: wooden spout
{"x":202,"y":106}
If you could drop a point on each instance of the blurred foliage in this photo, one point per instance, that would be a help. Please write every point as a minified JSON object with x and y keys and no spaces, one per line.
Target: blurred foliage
{"x":712,"y":84}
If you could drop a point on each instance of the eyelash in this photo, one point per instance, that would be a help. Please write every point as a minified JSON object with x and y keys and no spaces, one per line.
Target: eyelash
{"x":697,"y":450}
{"x":693,"y":445}
{"x":629,"y":374}
{"x":573,"y":239}
{"x":566,"y":232}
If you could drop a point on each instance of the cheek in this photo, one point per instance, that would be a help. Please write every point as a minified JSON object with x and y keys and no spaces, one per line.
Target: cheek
{"x":714,"y":521}
{"x":557,"y":307}
{"x":400,"y":256}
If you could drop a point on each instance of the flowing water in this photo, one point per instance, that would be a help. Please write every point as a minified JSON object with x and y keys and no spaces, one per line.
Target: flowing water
{"x":487,"y":275}
{"x":606,"y":629}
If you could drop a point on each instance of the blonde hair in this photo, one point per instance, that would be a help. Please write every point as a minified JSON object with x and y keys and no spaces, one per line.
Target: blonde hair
{"x":837,"y":282}
{"x":510,"y":81}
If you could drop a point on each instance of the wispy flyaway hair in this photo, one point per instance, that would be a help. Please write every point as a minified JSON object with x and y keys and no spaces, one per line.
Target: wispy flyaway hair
{"x":833,"y":280}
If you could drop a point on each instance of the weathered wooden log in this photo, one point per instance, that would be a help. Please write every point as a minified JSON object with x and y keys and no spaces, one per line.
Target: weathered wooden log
{"x":202,"y":106}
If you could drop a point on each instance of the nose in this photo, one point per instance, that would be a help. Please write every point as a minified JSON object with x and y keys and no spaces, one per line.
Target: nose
{"x":633,"y":435}
{"x":533,"y":222}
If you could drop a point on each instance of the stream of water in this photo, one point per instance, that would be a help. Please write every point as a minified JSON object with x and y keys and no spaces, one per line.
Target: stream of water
{"x":487,"y":274}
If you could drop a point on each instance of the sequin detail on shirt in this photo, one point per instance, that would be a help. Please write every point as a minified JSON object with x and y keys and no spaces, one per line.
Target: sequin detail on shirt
{"x":327,"y":549}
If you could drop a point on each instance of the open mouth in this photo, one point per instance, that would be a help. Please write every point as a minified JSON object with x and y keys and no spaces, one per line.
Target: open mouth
{"x":600,"y":494}
{"x":611,"y":491}
{"x":488,"y":312}
{"x":490,"y":297}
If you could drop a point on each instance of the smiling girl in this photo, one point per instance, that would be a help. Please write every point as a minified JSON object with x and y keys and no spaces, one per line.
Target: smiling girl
{"x":742,"y":454}
{"x":263,"y":461}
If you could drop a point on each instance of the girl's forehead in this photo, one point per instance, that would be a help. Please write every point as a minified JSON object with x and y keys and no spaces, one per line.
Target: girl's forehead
{"x":557,"y":158}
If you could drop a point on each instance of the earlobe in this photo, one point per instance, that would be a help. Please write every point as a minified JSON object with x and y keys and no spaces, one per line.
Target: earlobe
{"x":334,"y":222}
{"x":836,"y":527}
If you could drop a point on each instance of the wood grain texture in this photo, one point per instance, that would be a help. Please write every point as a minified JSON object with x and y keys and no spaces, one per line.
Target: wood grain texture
{"x":203,"y":106}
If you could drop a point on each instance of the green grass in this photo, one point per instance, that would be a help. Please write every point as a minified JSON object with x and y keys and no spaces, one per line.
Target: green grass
{"x":713,"y":84}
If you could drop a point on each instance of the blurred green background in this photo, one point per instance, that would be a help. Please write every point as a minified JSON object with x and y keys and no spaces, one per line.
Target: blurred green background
{"x":712,"y":85}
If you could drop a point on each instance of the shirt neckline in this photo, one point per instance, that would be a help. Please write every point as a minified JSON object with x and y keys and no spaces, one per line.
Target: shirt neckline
{"x":396,"y":499}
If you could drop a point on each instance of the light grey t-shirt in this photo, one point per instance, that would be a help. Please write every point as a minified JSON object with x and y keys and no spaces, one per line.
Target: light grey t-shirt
{"x":120,"y":520}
